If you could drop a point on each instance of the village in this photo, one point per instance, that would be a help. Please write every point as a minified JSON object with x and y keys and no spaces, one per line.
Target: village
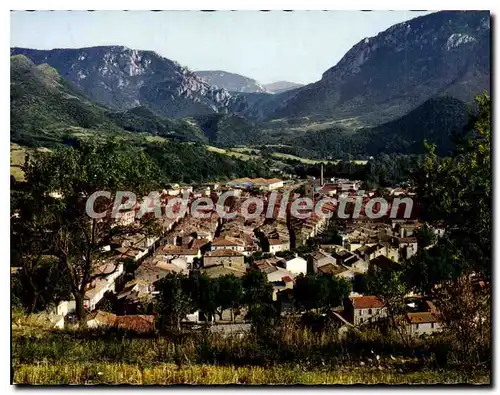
{"x":283,"y":247}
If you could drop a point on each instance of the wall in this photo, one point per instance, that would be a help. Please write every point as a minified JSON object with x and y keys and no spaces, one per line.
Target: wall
{"x":424,"y":328}
{"x":361,"y":316}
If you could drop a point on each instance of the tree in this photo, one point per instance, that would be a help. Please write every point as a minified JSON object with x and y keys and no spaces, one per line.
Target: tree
{"x":455,"y":194}
{"x":174,"y":300}
{"x":338,"y":290}
{"x":455,"y":191}
{"x":320,"y":292}
{"x":310,"y":291}
{"x":42,"y":286}
{"x":464,"y":312}
{"x":203,"y":291}
{"x":258,"y":297}
{"x":42,"y":281}
{"x":391,"y":288}
{"x":430,"y":267}
{"x":229,"y":294}
{"x":58,"y":186}
{"x":425,"y":236}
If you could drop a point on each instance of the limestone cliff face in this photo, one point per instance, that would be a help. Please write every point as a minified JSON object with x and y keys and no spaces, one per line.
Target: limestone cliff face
{"x":123,"y":78}
{"x":230,"y":81}
{"x":445,"y":53}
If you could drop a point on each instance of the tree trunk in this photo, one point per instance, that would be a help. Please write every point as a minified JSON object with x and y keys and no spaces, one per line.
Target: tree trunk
{"x":33,"y":302}
{"x":80,"y":309}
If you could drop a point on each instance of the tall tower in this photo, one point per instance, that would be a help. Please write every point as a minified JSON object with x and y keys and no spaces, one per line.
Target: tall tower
{"x":321,"y":181}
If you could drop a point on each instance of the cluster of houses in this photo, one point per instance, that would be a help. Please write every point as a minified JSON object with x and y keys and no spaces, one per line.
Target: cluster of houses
{"x":256,"y":183}
{"x":218,"y":247}
{"x":421,"y":316}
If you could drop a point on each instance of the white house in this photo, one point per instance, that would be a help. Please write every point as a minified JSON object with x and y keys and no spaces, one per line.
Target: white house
{"x":64,"y":307}
{"x":276,"y":245}
{"x":226,"y":244}
{"x":423,"y":323}
{"x":181,"y":263}
{"x":364,"y":309}
{"x":273,"y":183}
{"x":126,"y":218}
{"x":296,"y":265}
{"x":100,"y":286}
{"x":408,"y":246}
{"x":189,"y":254}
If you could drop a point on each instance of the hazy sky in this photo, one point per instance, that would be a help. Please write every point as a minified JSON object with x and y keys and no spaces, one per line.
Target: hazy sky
{"x":268,"y":46}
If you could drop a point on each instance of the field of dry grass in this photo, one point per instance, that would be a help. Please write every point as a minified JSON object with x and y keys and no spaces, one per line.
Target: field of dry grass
{"x":290,"y":356}
{"x":168,"y":374}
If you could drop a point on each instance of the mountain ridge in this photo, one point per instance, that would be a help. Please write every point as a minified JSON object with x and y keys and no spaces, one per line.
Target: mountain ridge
{"x":383,"y":77}
{"x":123,"y":78}
{"x":232,"y":82}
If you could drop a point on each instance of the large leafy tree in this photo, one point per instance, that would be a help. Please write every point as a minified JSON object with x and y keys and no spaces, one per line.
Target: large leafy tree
{"x":229,"y":294}
{"x":318,"y":291}
{"x":203,"y":291}
{"x":41,"y":280}
{"x":174,"y":300}
{"x":258,"y":298}
{"x":58,"y":185}
{"x":455,"y":192}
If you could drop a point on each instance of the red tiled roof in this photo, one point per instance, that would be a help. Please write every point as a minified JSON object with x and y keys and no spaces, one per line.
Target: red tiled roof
{"x":421,"y":318}
{"x":221,"y":242}
{"x":287,"y":279}
{"x":276,"y":242}
{"x":176,"y":250}
{"x":223,"y":252}
{"x":367,"y":302}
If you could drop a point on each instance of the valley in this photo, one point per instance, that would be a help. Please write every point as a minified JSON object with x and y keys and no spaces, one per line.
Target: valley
{"x":171,"y":226}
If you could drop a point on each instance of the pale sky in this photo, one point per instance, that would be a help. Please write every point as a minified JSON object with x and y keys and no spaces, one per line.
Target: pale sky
{"x":270,"y":46}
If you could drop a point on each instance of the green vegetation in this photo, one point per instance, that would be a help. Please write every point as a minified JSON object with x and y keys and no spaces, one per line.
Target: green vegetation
{"x":59,"y":226}
{"x":187,"y":163}
{"x":59,"y":249}
{"x":434,"y":121}
{"x":285,"y":350}
{"x":170,"y":374}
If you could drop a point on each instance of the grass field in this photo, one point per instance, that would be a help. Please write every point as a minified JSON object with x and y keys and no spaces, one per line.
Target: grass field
{"x":233,"y":152}
{"x":280,"y":155}
{"x":168,"y":374}
{"x":17,"y":155}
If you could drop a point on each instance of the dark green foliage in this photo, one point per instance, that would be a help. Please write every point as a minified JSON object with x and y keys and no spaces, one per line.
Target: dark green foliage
{"x":229,"y":130}
{"x":140,"y":119}
{"x":258,"y":298}
{"x":425,"y":236}
{"x":456,"y":193}
{"x":430,"y":267}
{"x":194,"y":163}
{"x":42,"y":103}
{"x":229,"y":293}
{"x":435,"y":121}
{"x":42,"y":288}
{"x":174,"y":300}
{"x":319,"y":292}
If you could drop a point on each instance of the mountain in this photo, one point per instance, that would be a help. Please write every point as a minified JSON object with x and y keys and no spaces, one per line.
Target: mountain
{"x":281,"y":86}
{"x":43,"y":103}
{"x":230,"y":81}
{"x":45,"y":108}
{"x":434,"y":121}
{"x":123,"y":78}
{"x":386,"y":76}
